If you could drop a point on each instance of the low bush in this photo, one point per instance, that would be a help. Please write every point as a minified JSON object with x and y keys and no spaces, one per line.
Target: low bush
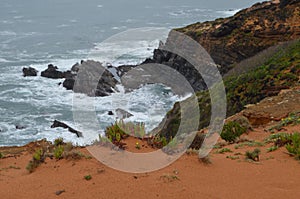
{"x":253,"y":155}
{"x":58,"y":152}
{"x":294,"y":146}
{"x":37,"y":158}
{"x":231,"y":131}
{"x":58,"y":141}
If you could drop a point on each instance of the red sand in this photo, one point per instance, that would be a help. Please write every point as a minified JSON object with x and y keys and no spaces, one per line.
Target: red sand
{"x":276,"y":175}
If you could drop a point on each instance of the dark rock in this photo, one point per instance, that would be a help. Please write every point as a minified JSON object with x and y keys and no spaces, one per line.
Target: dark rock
{"x":91,"y":78}
{"x":110,"y":113}
{"x":20,"y":127}
{"x":122,"y":114}
{"x":65,"y":126}
{"x":52,"y":72}
{"x":69,"y":83}
{"x":29,"y":72}
{"x":124,"y":69}
{"x":179,"y":64}
{"x":75,"y":67}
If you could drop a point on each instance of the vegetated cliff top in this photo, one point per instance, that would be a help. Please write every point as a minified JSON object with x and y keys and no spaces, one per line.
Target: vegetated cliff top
{"x":231,"y":40}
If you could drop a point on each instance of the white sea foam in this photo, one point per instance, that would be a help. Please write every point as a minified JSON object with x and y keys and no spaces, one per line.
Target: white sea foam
{"x":228,"y":13}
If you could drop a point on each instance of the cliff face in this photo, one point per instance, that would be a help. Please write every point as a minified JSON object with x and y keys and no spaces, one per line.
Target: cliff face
{"x":248,"y":32}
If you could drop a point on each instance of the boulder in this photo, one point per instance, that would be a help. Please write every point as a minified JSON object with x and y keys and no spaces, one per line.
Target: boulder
{"x":91,"y":78}
{"x":29,"y":72}
{"x":52,"y":72}
{"x":57,"y":123}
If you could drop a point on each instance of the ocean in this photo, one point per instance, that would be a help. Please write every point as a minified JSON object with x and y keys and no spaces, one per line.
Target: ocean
{"x":62,"y":32}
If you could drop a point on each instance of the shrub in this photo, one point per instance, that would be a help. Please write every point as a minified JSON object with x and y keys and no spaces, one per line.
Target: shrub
{"x":58,"y":141}
{"x":294,"y":147}
{"x":231,"y":131}
{"x":68,"y":146}
{"x":292,"y":119}
{"x":88,"y":177}
{"x":1,"y":155}
{"x":37,"y":158}
{"x":253,"y":155}
{"x":38,"y":155}
{"x":58,"y":152}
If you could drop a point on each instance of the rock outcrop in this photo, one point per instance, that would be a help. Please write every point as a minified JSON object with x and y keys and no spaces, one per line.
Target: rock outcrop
{"x":91,"y":78}
{"x":248,"y":32}
{"x":231,"y":40}
{"x":29,"y":72}
{"x":57,"y":124}
{"x":53,"y":72}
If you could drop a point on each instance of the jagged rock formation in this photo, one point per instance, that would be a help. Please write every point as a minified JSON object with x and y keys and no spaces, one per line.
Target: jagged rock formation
{"x":248,"y":32}
{"x":53,"y":72}
{"x":57,"y":124}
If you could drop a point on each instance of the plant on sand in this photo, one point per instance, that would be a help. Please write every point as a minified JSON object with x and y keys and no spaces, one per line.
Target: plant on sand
{"x":37,"y":158}
{"x":58,"y":152}
{"x":294,"y":147}
{"x":224,"y":150}
{"x":88,"y":177}
{"x":58,"y":141}
{"x":232,"y":130}
{"x":253,"y":155}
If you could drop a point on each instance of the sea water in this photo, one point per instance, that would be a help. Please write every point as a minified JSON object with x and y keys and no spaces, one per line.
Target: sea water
{"x":62,"y":32}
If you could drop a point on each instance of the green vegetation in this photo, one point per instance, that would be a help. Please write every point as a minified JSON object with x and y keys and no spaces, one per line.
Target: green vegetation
{"x":170,"y":177}
{"x":294,"y":147}
{"x":290,"y":141}
{"x":58,"y":141}
{"x":224,"y":150}
{"x":233,"y":157}
{"x":231,"y":131}
{"x":37,"y":158}
{"x":137,"y":146}
{"x":272,"y":148}
{"x":88,"y":177}
{"x":292,"y":119}
{"x":1,"y":155}
{"x":58,"y":149}
{"x":249,"y":144}
{"x":280,"y":71}
{"x":253,"y":155}
{"x":58,"y":152}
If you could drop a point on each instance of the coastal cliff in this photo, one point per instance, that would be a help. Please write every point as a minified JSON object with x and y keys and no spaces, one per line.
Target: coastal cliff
{"x":253,"y":31}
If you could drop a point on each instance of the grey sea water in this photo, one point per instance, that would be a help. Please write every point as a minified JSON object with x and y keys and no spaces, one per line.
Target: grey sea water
{"x":36,"y":33}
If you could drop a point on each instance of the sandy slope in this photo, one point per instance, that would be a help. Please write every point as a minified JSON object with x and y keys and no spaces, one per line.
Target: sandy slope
{"x":275,"y":176}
